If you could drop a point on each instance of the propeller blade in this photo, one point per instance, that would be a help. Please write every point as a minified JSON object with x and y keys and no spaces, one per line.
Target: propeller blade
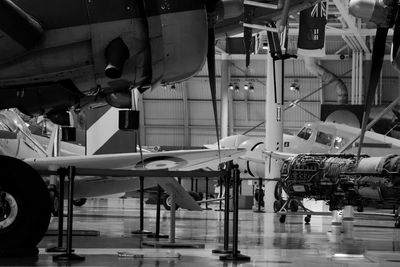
{"x":376,"y":66}
{"x":212,"y":80}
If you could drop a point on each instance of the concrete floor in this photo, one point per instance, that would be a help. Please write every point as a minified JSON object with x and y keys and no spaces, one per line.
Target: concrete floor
{"x":373,"y":242}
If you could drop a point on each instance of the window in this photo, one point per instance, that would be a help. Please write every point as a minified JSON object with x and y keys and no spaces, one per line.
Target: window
{"x":305,"y":133}
{"x":339,"y":142}
{"x":324,"y":138}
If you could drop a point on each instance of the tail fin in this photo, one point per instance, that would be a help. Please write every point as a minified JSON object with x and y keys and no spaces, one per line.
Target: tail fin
{"x":54,"y":135}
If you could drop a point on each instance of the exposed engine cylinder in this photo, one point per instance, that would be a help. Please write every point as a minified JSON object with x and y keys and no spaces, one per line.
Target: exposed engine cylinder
{"x":343,"y":179}
{"x":116,"y":54}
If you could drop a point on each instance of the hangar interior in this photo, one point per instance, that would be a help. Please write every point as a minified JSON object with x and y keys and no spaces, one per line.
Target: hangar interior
{"x":120,"y":230}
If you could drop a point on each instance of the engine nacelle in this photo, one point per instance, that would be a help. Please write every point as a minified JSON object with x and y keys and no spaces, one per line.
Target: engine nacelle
{"x":343,"y":179}
{"x":379,"y":11}
{"x":254,"y":150}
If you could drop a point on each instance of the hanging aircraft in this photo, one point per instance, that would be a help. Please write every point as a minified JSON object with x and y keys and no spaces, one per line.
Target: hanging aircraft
{"x":70,"y":54}
{"x":25,"y":204}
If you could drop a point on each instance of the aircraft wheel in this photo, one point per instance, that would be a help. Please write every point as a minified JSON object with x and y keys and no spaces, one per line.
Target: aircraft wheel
{"x":294,"y":206}
{"x":282,"y":219}
{"x":277,"y":205}
{"x":25,"y":208}
{"x":79,"y":202}
{"x":166,"y":201}
{"x":307,"y":219}
{"x":54,"y":199}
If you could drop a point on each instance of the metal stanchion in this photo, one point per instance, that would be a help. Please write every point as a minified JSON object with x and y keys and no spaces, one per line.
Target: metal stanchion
{"x":141,"y":231}
{"x":191,"y":184}
{"x":59,"y":247}
{"x":260,"y":196}
{"x":235,"y":256}
{"x":226,"y":248}
{"x":157,"y":234}
{"x":69,"y":256}
{"x":207,"y":208}
{"x":171,"y":243}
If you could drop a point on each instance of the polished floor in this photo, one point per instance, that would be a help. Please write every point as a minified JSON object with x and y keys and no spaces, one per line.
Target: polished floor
{"x":368,"y":242}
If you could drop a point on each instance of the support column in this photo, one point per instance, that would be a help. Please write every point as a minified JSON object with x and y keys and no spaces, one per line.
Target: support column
{"x":273,"y":126}
{"x":225,"y":78}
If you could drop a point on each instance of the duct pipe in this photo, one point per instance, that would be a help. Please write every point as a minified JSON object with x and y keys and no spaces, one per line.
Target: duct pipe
{"x":353,"y":78}
{"x":360,"y":76}
{"x":327,"y":76}
{"x":225,"y":77}
{"x":355,"y":68}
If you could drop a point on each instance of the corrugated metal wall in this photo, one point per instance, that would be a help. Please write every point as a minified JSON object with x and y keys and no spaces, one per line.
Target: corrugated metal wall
{"x":164,"y":109}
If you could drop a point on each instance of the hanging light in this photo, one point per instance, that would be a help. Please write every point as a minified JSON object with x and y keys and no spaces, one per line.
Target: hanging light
{"x":237,"y":88}
{"x":230,"y":86}
{"x":294,"y":87}
{"x":164,"y":86}
{"x":251,"y":88}
{"x":246,"y":87}
{"x":173,"y":88}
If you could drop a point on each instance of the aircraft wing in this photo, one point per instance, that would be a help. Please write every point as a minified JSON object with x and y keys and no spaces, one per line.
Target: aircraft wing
{"x":179,"y":160}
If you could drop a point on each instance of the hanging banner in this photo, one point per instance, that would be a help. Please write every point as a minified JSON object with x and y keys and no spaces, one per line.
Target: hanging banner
{"x":311,"y":41}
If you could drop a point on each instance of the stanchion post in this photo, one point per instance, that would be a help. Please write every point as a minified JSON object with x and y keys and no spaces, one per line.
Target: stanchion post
{"x":141,"y":230}
{"x":69,"y":256}
{"x":227,"y":179}
{"x":61,"y":174}
{"x":157,"y":234}
{"x":235,"y":256}
{"x":207,"y":208}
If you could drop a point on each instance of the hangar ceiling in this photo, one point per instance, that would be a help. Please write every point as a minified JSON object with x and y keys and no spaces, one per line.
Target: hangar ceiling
{"x":180,"y":115}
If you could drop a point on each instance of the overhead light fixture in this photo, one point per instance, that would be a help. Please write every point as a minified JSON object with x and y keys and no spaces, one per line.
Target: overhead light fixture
{"x":164,"y":86}
{"x":246,"y":87}
{"x":294,"y":87}
{"x":173,"y":88}
{"x":230,"y":86}
{"x":251,"y":88}
{"x":237,"y":88}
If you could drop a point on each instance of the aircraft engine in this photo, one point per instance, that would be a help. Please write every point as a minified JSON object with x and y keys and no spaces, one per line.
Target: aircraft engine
{"x":116,"y":54}
{"x":342,"y":179}
{"x":228,"y":9}
{"x":378,"y":11}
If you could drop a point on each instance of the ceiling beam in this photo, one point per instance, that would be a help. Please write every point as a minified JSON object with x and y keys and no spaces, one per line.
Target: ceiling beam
{"x":343,"y":7}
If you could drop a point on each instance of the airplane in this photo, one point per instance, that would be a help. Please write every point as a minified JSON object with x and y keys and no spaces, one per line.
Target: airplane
{"x":66,"y":56}
{"x":25,"y":204}
{"x":313,"y":137}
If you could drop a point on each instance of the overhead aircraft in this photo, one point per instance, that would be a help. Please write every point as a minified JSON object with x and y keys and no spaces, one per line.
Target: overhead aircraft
{"x":25,"y":204}
{"x":70,"y":54}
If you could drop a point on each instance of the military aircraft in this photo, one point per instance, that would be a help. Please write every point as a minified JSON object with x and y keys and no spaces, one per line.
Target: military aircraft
{"x":25,"y":204}
{"x":70,"y":54}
